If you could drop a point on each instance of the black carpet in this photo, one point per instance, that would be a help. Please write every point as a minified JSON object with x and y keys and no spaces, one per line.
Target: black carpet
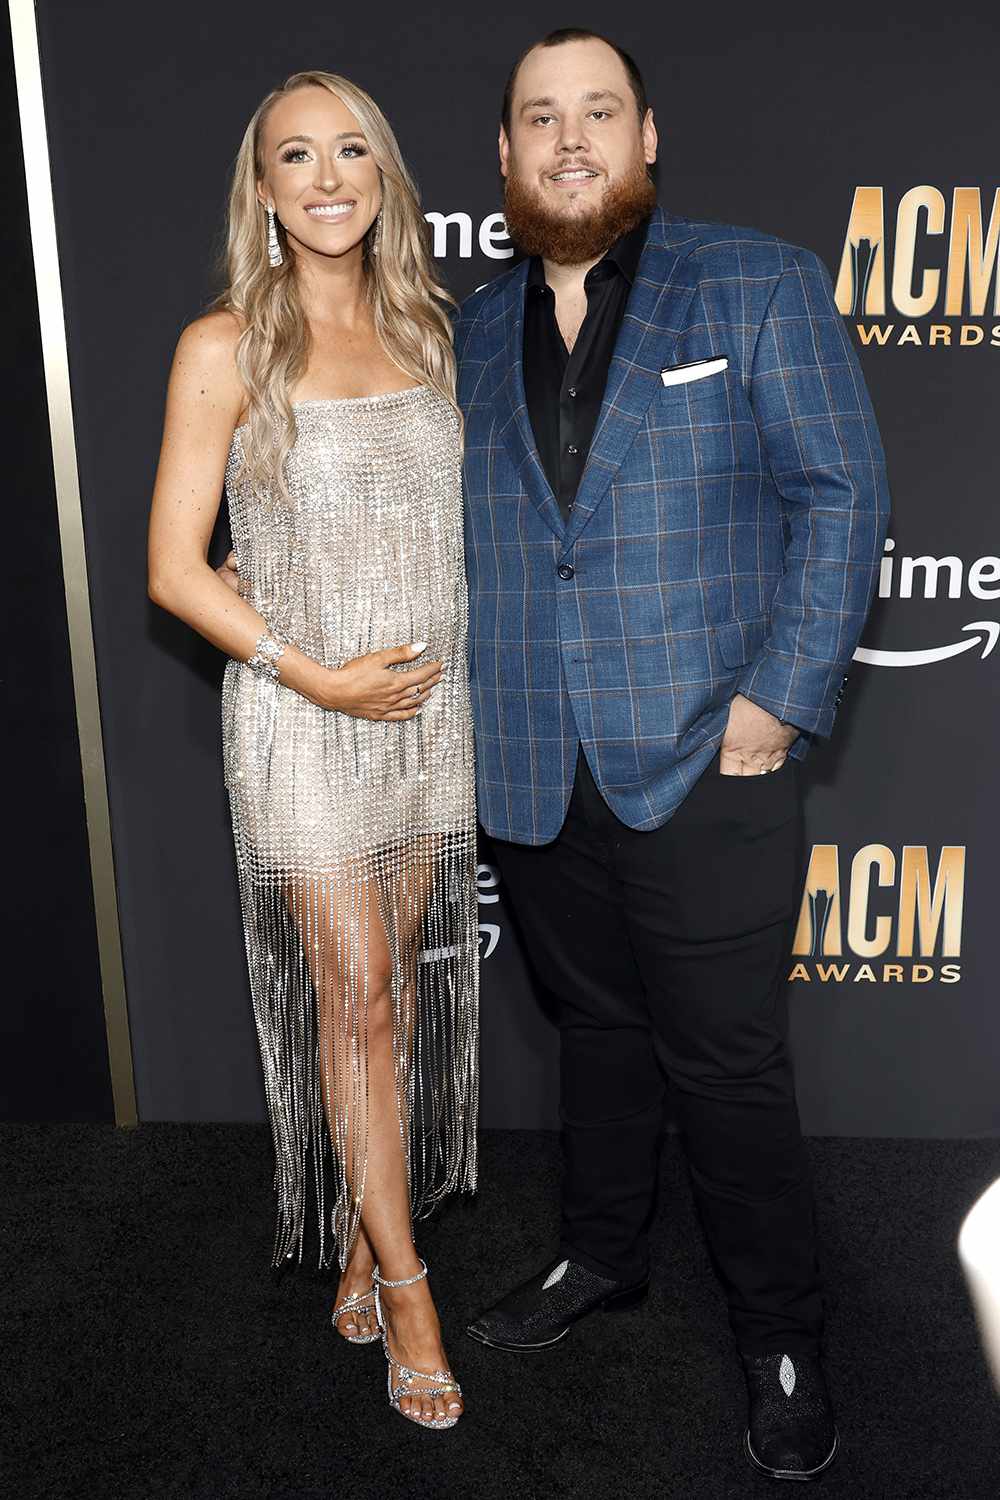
{"x":149,"y":1353}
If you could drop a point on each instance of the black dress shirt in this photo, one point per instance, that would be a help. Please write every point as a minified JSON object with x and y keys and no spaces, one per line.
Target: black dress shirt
{"x":564,"y":389}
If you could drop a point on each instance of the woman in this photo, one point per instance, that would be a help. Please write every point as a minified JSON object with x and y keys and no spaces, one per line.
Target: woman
{"x":320,"y":390}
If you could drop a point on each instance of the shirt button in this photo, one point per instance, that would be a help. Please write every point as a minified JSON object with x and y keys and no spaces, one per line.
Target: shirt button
{"x":565,"y":570}
{"x":571,"y":448}
{"x":572,"y":390}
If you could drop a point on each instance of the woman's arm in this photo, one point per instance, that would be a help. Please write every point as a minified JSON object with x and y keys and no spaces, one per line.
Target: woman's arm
{"x":204,"y":402}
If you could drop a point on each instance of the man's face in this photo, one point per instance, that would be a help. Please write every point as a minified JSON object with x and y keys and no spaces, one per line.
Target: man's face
{"x":575,"y":134}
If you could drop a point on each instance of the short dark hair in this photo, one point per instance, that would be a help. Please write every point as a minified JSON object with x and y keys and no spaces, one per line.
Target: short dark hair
{"x":577,"y":34}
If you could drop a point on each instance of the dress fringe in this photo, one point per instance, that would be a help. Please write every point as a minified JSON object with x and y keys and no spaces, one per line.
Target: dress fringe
{"x":308,"y":942}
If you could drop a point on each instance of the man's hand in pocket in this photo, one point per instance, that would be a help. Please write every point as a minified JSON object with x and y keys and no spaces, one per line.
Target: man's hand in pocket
{"x":754,"y":741}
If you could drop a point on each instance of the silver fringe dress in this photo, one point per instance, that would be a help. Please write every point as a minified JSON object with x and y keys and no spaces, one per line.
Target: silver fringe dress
{"x":355,"y":839}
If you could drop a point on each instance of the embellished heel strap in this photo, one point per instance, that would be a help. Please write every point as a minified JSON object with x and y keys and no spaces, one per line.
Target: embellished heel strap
{"x":401,"y":1378}
{"x":381,"y":1280}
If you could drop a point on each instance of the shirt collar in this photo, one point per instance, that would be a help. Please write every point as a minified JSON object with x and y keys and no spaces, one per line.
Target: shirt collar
{"x":623,"y":257}
{"x":626,"y":252}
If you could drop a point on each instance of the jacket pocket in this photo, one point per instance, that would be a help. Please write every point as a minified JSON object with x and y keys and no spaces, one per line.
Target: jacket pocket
{"x":740,"y":640}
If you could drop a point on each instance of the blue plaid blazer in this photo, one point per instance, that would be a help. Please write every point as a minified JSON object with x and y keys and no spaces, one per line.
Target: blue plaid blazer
{"x":725,"y":538}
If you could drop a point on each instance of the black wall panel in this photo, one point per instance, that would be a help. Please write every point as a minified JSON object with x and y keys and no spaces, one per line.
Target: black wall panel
{"x":769,"y":116}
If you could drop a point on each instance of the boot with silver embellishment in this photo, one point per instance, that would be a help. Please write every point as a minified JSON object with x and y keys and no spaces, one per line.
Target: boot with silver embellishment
{"x":791,"y":1432}
{"x":543,"y":1309}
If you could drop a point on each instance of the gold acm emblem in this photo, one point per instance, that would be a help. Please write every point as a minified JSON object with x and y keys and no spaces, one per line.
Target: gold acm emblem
{"x":884,"y":919}
{"x":942,"y":264}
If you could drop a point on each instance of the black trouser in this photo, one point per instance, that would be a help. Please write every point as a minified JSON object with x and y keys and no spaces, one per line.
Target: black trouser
{"x":667,"y":954}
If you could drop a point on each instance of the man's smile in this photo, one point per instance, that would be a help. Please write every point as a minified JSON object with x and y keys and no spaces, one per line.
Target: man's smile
{"x":573,"y":175}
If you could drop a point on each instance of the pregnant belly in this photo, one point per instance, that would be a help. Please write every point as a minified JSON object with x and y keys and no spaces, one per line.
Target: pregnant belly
{"x":336,"y":622}
{"x":439,"y":632}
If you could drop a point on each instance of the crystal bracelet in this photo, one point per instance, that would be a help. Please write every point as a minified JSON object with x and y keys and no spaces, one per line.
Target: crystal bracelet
{"x":265,"y":657}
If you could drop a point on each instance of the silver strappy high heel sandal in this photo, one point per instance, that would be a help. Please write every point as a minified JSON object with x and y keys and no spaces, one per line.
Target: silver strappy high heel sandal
{"x":358,"y":1302}
{"x":446,"y":1384}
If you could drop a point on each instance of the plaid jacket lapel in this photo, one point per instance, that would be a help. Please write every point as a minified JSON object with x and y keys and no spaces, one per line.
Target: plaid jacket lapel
{"x":514,"y":423}
{"x":655,"y":317}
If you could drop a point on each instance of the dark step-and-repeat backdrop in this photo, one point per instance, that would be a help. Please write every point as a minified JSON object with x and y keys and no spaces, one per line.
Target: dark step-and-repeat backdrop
{"x":872,"y":142}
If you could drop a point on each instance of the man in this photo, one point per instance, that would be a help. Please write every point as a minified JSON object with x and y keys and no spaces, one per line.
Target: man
{"x":676,"y":504}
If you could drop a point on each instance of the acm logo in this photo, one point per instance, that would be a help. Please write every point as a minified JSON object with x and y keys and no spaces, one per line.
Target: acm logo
{"x":942,"y":262}
{"x":884,"y":908}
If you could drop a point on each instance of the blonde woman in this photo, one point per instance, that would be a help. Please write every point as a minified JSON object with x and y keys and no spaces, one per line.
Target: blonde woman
{"x":320,"y":392}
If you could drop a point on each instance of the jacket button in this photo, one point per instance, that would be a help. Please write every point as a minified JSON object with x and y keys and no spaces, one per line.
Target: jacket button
{"x":565,"y":570}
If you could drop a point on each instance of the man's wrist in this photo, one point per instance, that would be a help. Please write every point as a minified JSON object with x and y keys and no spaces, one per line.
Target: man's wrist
{"x":785,"y":723}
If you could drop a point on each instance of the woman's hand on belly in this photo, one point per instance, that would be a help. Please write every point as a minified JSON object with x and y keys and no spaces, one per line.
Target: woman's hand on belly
{"x":364,"y":688}
{"x":368,"y":688}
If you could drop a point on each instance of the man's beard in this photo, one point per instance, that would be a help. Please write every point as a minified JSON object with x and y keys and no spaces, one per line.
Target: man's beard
{"x":569,"y":239}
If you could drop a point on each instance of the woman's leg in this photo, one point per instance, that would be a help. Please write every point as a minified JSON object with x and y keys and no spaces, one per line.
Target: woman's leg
{"x":327,"y":914}
{"x":412,"y":1328}
{"x":365,"y":1041}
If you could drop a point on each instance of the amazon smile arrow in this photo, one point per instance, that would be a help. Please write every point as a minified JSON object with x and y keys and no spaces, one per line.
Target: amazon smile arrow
{"x":987,"y":634}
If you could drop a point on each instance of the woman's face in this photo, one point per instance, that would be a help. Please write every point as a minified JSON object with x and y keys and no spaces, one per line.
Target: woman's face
{"x":318,"y":172}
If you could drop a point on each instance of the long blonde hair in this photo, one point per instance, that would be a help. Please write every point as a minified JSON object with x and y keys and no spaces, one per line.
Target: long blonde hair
{"x":408,"y":301}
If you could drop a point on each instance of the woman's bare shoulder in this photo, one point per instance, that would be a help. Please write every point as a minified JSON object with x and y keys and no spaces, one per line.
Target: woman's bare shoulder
{"x":205,"y":360}
{"x":212,"y":338}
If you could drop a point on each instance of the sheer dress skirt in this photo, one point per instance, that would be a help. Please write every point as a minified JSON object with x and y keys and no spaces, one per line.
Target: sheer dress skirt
{"x":355,"y":849}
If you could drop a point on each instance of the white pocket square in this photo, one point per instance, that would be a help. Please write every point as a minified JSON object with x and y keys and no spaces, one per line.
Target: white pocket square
{"x":696,"y":370}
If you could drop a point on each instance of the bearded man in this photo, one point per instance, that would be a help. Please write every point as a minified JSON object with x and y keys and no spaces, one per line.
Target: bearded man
{"x":676,"y":504}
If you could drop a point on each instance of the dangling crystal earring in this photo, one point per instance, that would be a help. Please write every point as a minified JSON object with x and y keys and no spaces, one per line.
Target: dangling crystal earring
{"x":377,"y":236}
{"x":273,"y":248}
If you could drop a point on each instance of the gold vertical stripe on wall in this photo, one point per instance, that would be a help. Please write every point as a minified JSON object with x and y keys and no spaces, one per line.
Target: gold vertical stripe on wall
{"x":41,"y":214}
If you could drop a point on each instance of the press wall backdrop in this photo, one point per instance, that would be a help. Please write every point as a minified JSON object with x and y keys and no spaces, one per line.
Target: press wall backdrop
{"x":872,"y":143}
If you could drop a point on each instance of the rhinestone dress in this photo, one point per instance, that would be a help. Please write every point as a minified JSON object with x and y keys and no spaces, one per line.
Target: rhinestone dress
{"x":355,"y":839}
